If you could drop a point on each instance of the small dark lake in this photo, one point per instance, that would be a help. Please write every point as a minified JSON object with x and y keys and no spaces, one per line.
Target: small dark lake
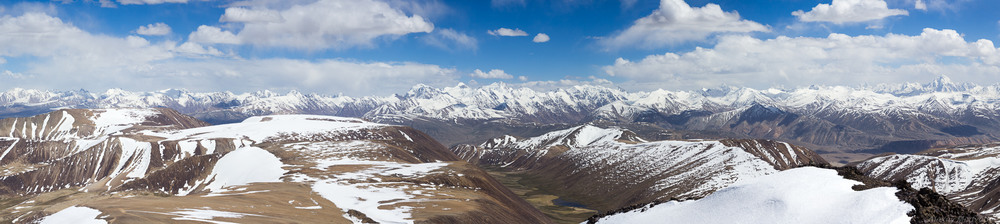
{"x":561,"y":202}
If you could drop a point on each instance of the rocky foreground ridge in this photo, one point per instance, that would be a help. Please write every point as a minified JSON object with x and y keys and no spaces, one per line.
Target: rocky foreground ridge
{"x":155,"y":165}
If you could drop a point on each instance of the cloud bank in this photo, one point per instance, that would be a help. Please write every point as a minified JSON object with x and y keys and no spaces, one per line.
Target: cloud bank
{"x":66,"y":57}
{"x":319,"y":25}
{"x":837,"y":59}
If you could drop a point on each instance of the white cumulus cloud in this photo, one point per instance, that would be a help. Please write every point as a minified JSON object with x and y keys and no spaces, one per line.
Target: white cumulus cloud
{"x":835,"y":60}
{"x":677,"y":22}
{"x":213,"y":35}
{"x":919,"y":4}
{"x":508,"y":32}
{"x":191,"y":48}
{"x":541,"y":38}
{"x":156,"y":29}
{"x":246,"y":15}
{"x":322,"y":24}
{"x":850,"y":11}
{"x":63,"y":56}
{"x":492,"y":74}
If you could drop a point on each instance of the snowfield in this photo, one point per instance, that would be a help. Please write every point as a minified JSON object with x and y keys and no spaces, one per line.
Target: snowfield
{"x":78,"y":215}
{"x":244,"y":166}
{"x":110,"y":121}
{"x":259,"y":128}
{"x":801,"y":195}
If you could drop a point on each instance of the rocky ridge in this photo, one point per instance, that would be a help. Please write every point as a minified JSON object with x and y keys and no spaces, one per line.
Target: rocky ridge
{"x":967,"y":174}
{"x":609,"y":168}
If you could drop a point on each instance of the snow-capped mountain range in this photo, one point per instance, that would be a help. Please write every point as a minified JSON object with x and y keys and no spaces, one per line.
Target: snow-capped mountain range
{"x":849,"y":118}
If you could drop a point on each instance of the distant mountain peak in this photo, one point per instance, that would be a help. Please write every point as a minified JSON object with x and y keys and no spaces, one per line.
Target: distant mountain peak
{"x":944,"y":84}
{"x":944,"y":79}
{"x":422,"y":91}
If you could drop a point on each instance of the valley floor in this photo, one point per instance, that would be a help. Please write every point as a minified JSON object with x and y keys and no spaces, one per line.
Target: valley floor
{"x":541,"y":199}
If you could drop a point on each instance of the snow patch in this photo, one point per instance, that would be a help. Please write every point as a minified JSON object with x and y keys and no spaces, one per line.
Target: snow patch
{"x":243,"y":166}
{"x":377,"y":200}
{"x":405,"y":135}
{"x":205,"y":215}
{"x":587,"y":135}
{"x":16,"y":140}
{"x":110,"y":121}
{"x":979,"y":165}
{"x":74,"y":214}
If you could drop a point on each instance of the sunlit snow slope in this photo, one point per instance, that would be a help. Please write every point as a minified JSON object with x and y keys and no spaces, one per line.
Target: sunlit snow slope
{"x":801,"y":195}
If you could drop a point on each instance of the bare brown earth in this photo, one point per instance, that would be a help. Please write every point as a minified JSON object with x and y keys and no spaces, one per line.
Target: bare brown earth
{"x":541,"y":199}
{"x":44,"y":184}
{"x":470,"y":195}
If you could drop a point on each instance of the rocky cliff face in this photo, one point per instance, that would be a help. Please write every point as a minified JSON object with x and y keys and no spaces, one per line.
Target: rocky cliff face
{"x":141,"y":165}
{"x":968,"y":175}
{"x":609,"y":168}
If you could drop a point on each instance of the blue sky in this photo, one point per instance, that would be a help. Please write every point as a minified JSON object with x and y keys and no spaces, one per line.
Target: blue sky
{"x":366,"y":47}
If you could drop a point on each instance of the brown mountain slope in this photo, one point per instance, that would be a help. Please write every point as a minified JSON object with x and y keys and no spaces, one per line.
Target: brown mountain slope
{"x":283,"y":168}
{"x":606,"y":169}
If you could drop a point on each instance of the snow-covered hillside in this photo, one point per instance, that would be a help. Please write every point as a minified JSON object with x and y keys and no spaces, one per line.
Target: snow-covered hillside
{"x":142,"y":165}
{"x":603,"y":162}
{"x":81,"y":148}
{"x":968,"y":175}
{"x":834,"y":117}
{"x":802,"y":195}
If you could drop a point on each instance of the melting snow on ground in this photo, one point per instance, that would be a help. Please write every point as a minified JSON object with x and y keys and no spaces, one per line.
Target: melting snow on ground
{"x":377,"y":200}
{"x":802,"y":195}
{"x":364,"y":189}
{"x":80,"y":215}
{"x":204,"y":215}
